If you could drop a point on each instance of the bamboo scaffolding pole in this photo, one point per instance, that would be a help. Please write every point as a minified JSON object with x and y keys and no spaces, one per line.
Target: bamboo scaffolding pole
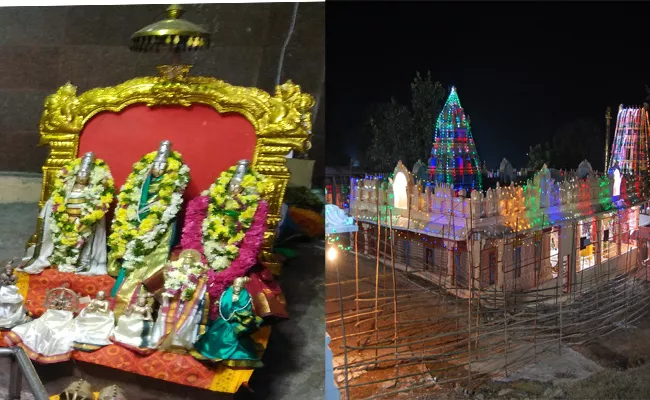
{"x":377,"y":269}
{"x":356,"y":259}
{"x":395,"y":323}
{"x":452,"y":337}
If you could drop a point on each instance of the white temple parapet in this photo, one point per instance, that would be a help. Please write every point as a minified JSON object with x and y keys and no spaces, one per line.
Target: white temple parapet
{"x":440,"y":211}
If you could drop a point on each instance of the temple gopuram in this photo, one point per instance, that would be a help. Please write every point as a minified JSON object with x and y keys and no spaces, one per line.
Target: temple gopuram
{"x":454,"y":160}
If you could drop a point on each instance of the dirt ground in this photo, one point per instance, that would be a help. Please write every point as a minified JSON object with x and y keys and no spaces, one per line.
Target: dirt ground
{"x":611,"y":367}
{"x":417,"y":306}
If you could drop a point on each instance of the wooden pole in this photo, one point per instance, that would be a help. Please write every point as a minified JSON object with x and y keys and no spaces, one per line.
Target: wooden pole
{"x":345,"y":349}
{"x":356,"y":260}
{"x":469,"y":240}
{"x":392,"y":258}
{"x":377,"y":272}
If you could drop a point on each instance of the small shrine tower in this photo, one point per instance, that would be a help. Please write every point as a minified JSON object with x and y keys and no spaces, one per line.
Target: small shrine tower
{"x":630,"y":146}
{"x":454,"y":159}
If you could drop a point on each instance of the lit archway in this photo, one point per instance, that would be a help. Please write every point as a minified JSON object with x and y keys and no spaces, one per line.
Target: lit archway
{"x":617,"y":183}
{"x":400,"y":185}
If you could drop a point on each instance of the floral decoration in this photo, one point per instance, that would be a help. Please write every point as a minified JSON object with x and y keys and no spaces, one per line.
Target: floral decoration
{"x":229,"y":216}
{"x":181,"y":279}
{"x":133,"y":239}
{"x":70,"y":234}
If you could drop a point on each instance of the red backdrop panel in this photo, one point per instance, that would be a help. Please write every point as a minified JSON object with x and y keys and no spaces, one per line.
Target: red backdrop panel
{"x":208,"y":141}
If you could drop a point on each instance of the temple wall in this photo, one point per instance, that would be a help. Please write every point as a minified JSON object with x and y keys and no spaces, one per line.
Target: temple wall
{"x":44,"y":47}
{"x":20,"y":187}
{"x":533,"y":265}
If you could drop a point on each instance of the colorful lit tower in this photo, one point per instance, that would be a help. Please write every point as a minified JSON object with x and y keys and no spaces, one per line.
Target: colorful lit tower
{"x":630,"y":147}
{"x":454,"y":159}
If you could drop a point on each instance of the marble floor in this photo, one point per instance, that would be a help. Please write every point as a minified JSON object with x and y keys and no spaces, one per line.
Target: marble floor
{"x":294,"y":359}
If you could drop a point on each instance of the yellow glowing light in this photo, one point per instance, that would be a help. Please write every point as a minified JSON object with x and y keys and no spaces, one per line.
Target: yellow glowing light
{"x":399,"y":191}
{"x":331,"y":254}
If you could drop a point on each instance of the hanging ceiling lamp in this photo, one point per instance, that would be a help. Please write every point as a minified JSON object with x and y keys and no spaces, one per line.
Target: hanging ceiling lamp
{"x":173,"y":33}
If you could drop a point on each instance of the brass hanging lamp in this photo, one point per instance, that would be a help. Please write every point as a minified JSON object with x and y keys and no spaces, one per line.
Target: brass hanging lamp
{"x":173,"y":33}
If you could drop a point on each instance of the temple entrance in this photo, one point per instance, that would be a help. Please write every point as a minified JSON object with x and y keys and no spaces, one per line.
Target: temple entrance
{"x":461,"y":270}
{"x":489,"y":267}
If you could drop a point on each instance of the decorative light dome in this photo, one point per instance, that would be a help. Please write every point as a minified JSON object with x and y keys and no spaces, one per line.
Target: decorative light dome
{"x":173,"y":33}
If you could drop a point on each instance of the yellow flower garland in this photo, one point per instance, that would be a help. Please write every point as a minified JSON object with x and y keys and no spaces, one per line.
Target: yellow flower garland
{"x":132,"y":239}
{"x":229,"y":217}
{"x":70,"y":234}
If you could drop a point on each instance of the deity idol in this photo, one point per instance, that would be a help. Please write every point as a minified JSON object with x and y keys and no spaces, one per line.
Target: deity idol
{"x":228,"y":338}
{"x":133,"y":329}
{"x":49,"y":339}
{"x":183,"y":313}
{"x":74,"y":226}
{"x":145,"y":221}
{"x":12,"y":310}
{"x":227,"y":225}
{"x":94,"y":325}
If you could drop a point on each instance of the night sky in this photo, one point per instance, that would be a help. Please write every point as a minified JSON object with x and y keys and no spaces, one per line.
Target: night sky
{"x":522,"y":70}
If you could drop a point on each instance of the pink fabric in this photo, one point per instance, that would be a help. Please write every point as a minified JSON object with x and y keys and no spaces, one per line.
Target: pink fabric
{"x":192,"y":238}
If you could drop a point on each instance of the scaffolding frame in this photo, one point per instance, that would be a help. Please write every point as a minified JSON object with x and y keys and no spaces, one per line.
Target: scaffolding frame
{"x":477,"y":321}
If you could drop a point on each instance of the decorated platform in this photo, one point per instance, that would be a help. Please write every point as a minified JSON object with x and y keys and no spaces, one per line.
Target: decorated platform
{"x":172,"y":367}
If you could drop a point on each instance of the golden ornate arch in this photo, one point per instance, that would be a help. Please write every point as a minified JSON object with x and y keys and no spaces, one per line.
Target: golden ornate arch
{"x":282,"y":123}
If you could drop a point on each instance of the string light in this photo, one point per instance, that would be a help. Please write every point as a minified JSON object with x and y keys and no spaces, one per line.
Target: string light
{"x":630,"y":148}
{"x":334,"y":240}
{"x":454,"y":159}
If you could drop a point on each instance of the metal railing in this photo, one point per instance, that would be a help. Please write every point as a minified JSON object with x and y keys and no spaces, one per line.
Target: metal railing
{"x":21,"y":366}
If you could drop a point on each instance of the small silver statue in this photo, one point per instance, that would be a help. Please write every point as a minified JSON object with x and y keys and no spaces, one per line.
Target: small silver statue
{"x":141,"y":308}
{"x":99,"y":304}
{"x":160,"y":162}
{"x":7,"y":277}
{"x":238,"y":176}
{"x":61,"y":298}
{"x":238,"y":285}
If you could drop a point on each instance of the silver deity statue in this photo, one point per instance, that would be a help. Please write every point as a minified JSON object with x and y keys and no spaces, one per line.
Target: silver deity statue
{"x":160,"y":162}
{"x":238,"y":285}
{"x":99,"y":304}
{"x":238,"y":176}
{"x":7,"y":277}
{"x":140,"y":308}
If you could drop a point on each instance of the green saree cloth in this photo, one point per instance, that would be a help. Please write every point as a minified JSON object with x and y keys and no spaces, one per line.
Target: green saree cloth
{"x":127,"y":283}
{"x":228,"y":338}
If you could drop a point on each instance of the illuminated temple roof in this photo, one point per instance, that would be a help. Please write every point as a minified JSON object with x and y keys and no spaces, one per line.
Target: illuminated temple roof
{"x":630,"y":146}
{"x":454,"y":159}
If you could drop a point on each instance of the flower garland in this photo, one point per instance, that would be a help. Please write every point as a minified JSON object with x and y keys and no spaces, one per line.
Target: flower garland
{"x":197,"y":210}
{"x":182,"y":279}
{"x":70,"y":234}
{"x":133,"y":239}
{"x":218,"y":281}
{"x":229,"y":216}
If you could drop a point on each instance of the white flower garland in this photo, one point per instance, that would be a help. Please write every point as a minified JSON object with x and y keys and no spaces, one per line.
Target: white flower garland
{"x":132,"y":239}
{"x":182,"y":281}
{"x":69,"y":235}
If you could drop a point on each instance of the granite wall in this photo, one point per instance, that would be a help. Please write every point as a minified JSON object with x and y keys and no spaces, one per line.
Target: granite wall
{"x":42,"y":48}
